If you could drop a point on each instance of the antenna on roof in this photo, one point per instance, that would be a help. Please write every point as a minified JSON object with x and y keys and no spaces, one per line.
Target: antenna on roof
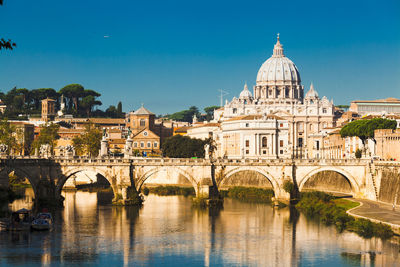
{"x":223,"y":93}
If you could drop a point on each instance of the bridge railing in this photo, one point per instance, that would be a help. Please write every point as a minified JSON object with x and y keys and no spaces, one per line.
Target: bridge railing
{"x":190,"y":161}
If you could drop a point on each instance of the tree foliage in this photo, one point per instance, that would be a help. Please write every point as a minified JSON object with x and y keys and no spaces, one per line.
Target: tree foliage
{"x":187,"y":115}
{"x":89,"y":143}
{"x":7,"y":136}
{"x":364,"y":129}
{"x":210,"y":112}
{"x":48,"y":136}
{"x":179,"y":146}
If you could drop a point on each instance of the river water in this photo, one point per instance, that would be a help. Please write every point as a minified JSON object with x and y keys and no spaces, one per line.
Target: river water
{"x":167,"y":231}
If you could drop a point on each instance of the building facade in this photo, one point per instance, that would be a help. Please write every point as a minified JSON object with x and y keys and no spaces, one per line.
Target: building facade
{"x":279,"y":92}
{"x":376,"y":107}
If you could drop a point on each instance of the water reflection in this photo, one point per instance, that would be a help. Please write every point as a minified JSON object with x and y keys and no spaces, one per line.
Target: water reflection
{"x":168,"y":231}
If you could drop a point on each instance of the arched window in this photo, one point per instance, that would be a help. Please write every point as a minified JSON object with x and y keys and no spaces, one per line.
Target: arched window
{"x":155,"y":144}
{"x":148,"y":144}
{"x":264,"y":141}
{"x":135,"y":144}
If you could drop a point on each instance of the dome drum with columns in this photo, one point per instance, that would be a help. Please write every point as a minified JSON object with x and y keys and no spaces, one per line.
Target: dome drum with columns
{"x":278,"y":78}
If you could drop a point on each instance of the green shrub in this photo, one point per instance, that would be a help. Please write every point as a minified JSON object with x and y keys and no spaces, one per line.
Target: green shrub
{"x":358,"y":154}
{"x":172,"y":190}
{"x":200,"y":202}
{"x":333,"y":211}
{"x":146,"y":191}
{"x":251,"y":194}
{"x":288,"y":186}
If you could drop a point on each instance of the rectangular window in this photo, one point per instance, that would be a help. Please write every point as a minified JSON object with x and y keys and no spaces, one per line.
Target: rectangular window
{"x":317,"y":144}
{"x":281,"y":143}
{"x":281,"y":152}
{"x":324,"y":110}
{"x":281,"y":125}
{"x":141,"y":144}
{"x":155,"y":144}
{"x":135,"y":144}
{"x":247,"y":152}
{"x":148,"y":144}
{"x":247,"y":143}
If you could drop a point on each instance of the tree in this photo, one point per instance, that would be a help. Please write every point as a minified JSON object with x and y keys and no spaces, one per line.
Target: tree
{"x":185,"y":115}
{"x":7,"y":136}
{"x":364,"y":129}
{"x":89,"y":143}
{"x":179,"y":146}
{"x":210,"y":112}
{"x":72,"y":92}
{"x":88,"y":102}
{"x":119,"y":109}
{"x":4,"y":43}
{"x":48,"y":136}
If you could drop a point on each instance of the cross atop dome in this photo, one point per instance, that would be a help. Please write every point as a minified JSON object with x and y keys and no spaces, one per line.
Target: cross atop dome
{"x":278,"y":48}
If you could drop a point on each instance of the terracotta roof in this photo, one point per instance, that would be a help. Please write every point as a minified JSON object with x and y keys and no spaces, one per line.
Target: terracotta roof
{"x":107,"y":120}
{"x":143,"y":111}
{"x":182,"y":129}
{"x":114,"y":130}
{"x":116,"y":141}
{"x":211,"y":124}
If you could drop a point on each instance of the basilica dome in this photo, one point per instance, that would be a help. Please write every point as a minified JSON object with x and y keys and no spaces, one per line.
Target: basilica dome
{"x":278,"y":69}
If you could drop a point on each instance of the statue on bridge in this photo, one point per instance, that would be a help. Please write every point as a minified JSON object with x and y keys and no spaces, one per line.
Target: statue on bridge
{"x":44,"y":150}
{"x":3,"y":149}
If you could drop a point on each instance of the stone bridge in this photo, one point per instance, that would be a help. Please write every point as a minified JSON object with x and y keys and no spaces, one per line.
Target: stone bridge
{"x":47,"y":176}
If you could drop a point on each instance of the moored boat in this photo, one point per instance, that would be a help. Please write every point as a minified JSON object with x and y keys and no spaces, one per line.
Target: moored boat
{"x":20,"y":221}
{"x":43,"y":221}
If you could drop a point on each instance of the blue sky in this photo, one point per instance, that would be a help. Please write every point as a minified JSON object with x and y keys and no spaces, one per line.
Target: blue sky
{"x":170,"y":55}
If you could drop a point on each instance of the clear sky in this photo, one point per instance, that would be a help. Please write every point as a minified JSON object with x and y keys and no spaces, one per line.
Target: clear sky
{"x":173,"y":54}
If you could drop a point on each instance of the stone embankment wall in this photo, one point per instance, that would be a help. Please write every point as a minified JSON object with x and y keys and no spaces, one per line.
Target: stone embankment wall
{"x":328,"y":181}
{"x":246,"y":178}
{"x":390,"y":186}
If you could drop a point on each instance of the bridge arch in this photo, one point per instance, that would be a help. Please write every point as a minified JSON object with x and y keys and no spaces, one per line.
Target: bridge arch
{"x":5,"y":172}
{"x":348,"y":176}
{"x":266,"y":174}
{"x":68,"y":174}
{"x":149,"y":173}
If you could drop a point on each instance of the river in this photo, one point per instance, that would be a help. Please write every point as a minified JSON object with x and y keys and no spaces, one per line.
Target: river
{"x":167,"y":231}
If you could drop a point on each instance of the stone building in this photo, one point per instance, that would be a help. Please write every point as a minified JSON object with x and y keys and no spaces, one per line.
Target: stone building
{"x":48,"y":109}
{"x":278,"y":91}
{"x":376,"y":107}
{"x":24,"y":135}
{"x":388,"y":144}
{"x":147,"y":136}
{"x":254,"y":136}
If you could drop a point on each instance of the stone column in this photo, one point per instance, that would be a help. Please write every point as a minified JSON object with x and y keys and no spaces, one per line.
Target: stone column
{"x":274,"y":145}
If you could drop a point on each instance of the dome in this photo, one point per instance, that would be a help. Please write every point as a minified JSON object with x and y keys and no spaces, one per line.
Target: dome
{"x":245,"y":93}
{"x":278,"y":69}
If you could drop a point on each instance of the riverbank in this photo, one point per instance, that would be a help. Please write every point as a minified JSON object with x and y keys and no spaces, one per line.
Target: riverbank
{"x":169,"y":190}
{"x":377,"y":212}
{"x":330,"y":210}
{"x":249,"y":194}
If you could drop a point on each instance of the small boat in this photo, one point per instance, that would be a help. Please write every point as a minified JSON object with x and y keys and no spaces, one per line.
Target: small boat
{"x":20,"y":221}
{"x":43,"y":221}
